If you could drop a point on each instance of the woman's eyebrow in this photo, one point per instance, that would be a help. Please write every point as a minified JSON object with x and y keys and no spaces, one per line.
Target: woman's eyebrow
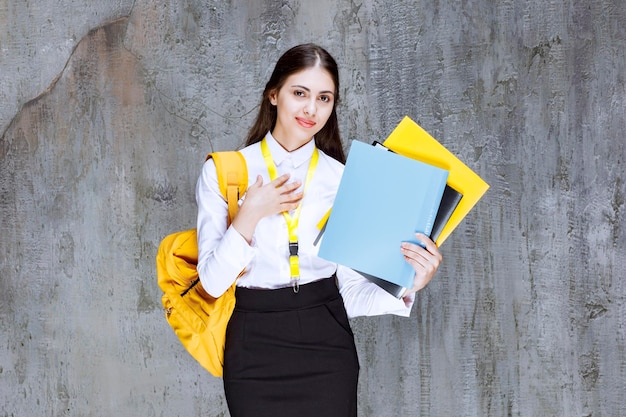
{"x":309,"y":90}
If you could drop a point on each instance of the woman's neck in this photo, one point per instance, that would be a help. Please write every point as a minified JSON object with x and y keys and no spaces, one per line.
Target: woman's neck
{"x":290,"y":145}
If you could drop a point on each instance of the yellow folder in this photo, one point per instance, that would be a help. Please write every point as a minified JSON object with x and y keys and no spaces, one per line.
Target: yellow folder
{"x":410,"y":140}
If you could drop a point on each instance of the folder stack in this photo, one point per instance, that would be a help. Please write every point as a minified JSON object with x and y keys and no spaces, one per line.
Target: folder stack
{"x":412,"y":184}
{"x":410,"y":140}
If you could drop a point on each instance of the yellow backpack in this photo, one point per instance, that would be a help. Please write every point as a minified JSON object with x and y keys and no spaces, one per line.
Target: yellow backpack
{"x":198,"y":319}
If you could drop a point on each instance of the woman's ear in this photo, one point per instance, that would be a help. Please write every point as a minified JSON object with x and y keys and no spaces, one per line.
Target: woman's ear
{"x":272,"y":97}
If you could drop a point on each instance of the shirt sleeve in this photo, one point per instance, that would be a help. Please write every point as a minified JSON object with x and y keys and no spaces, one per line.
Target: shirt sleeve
{"x":222,"y":252}
{"x":364,"y":298}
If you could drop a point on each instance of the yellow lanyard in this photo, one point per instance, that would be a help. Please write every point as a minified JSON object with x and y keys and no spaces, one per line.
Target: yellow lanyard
{"x":292,"y":222}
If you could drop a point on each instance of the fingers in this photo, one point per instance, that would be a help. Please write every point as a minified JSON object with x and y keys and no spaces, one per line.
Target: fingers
{"x":276,"y":196}
{"x":289,"y":189}
{"x":280,"y":181}
{"x":423,"y":265}
{"x":430,"y":245}
{"x":294,"y":198}
{"x":259,"y":182}
{"x":263,"y":200}
{"x":287,"y":198}
{"x":283,"y":186}
{"x":429,"y":252}
{"x":424,"y":260}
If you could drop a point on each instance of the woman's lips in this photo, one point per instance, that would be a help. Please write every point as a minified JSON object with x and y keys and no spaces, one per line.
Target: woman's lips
{"x":305,"y":123}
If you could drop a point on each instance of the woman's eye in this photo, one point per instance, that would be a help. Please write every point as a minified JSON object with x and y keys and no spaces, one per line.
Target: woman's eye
{"x":325,"y":99}
{"x":299,"y":93}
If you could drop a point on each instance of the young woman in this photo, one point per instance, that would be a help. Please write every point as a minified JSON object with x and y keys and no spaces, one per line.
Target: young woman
{"x":289,"y":347}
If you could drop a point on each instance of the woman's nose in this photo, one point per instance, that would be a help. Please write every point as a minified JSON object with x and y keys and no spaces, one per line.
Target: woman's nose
{"x":310,"y":108}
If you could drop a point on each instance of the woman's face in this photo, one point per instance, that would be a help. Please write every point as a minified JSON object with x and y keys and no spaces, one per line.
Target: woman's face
{"x":303,"y":105}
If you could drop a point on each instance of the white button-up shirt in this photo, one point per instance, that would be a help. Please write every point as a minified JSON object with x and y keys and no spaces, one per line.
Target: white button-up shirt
{"x":223,"y":253}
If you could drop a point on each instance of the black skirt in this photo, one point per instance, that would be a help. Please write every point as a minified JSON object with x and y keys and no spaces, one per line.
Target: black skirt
{"x":291,"y":354}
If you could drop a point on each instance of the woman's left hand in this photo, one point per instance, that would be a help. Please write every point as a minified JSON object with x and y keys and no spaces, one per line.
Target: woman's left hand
{"x":425,"y":261}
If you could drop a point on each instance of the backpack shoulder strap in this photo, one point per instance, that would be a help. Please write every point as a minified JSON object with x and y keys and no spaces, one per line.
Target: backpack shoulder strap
{"x":232,"y":177}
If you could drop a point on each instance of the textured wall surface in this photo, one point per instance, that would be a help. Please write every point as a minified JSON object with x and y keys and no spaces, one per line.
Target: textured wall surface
{"x":108,"y":108}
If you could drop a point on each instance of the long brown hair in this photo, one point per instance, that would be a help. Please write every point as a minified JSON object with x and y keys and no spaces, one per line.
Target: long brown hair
{"x":298,"y":58}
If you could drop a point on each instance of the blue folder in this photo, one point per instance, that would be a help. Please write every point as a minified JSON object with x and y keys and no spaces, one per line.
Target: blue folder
{"x":382,"y":200}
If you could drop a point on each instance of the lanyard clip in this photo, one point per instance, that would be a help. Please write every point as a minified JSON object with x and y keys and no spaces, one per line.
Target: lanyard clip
{"x":294,"y":266}
{"x":293,"y":248}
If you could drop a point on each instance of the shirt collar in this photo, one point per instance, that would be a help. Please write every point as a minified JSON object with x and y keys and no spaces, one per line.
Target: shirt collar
{"x":279,"y":154}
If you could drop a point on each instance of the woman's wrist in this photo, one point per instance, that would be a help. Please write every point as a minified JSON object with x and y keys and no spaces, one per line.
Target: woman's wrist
{"x":245,"y":223}
{"x":408,"y":297}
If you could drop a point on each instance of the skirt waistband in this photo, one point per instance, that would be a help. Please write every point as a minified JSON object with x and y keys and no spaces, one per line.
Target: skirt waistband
{"x":283,"y":299}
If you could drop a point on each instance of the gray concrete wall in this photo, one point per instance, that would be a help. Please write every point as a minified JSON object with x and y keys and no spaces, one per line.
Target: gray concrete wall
{"x":108,"y":108}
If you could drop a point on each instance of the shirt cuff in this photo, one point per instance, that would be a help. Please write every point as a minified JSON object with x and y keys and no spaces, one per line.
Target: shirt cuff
{"x":399,"y":306}
{"x":409,"y":300}
{"x":236,"y":248}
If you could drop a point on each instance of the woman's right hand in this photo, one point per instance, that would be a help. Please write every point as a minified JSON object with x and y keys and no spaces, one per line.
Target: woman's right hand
{"x":265,"y":200}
